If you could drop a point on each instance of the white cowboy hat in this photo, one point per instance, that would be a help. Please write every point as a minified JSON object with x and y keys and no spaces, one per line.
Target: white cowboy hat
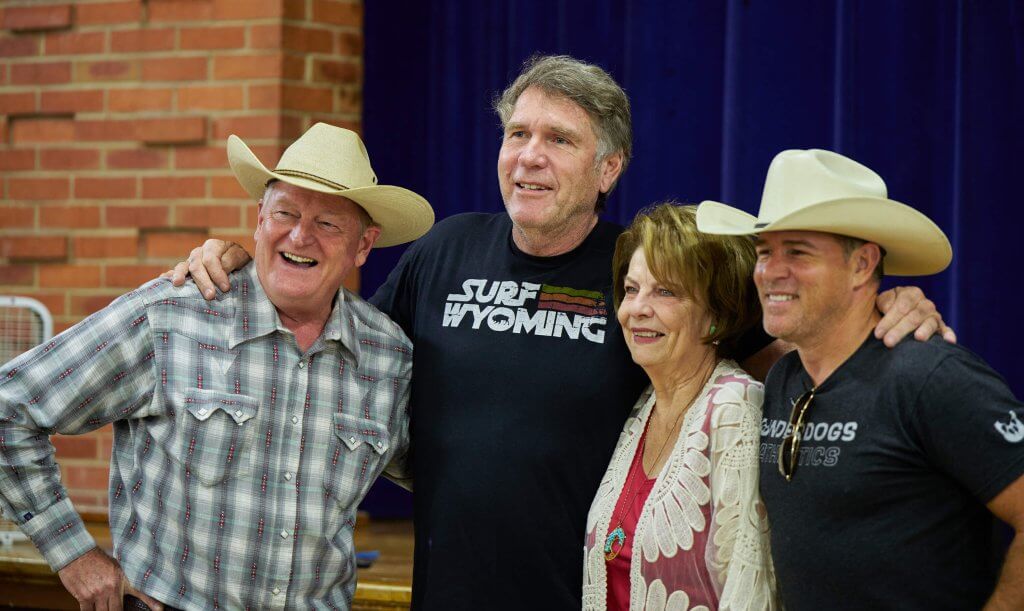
{"x":816,"y":190}
{"x":333,"y":160}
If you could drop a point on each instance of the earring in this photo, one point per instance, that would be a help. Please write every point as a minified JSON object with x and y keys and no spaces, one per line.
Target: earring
{"x":712,"y":330}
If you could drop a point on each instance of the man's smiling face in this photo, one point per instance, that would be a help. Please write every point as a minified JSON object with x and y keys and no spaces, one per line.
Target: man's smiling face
{"x":306,"y":243}
{"x":547,"y":167}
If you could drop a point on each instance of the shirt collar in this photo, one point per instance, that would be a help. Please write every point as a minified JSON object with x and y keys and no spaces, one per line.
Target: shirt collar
{"x":256,"y":316}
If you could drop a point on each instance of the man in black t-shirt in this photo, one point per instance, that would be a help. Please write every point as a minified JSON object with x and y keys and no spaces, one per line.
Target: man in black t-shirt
{"x":880,"y":469}
{"x":522,"y":380}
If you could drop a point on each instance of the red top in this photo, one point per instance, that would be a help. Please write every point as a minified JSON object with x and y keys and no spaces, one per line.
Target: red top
{"x":618,"y":568}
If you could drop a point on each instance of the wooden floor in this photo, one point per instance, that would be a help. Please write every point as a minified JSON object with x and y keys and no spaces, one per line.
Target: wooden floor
{"x":27,"y":582}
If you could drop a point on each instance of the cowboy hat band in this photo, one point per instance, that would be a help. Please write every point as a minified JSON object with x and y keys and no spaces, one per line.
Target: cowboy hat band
{"x":333,"y":160}
{"x":817,"y":190}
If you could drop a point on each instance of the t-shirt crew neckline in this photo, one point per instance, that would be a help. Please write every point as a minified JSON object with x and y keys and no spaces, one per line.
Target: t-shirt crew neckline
{"x":830,"y":381}
{"x":555,"y":260}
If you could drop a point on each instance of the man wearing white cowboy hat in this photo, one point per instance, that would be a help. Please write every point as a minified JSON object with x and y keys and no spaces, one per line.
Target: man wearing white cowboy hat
{"x":523,"y":381}
{"x":246,"y":429}
{"x":880,"y":469}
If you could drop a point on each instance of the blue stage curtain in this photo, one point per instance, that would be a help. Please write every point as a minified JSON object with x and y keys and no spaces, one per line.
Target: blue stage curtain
{"x":928,"y":93}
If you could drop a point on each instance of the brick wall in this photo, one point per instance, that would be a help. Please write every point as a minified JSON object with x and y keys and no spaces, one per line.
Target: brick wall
{"x":113,"y":121}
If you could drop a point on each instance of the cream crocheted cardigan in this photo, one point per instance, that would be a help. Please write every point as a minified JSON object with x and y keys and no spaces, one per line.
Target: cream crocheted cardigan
{"x":713,"y":468}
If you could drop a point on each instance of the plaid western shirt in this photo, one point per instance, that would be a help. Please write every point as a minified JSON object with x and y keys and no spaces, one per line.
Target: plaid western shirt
{"x":237,"y":462}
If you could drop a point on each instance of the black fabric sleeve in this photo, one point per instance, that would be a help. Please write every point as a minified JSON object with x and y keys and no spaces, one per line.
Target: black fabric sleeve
{"x":967,"y":419}
{"x":397,"y":295}
{"x":751,"y":342}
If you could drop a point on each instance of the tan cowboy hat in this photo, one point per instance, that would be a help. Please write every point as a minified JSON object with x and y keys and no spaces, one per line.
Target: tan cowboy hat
{"x":333,"y":160}
{"x":816,"y":190}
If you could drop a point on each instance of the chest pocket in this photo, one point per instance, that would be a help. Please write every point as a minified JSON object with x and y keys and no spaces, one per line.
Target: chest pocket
{"x":357,"y":450}
{"x":217,"y":432}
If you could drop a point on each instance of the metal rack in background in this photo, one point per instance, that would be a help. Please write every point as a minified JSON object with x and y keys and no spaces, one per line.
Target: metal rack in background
{"x":24,"y":324}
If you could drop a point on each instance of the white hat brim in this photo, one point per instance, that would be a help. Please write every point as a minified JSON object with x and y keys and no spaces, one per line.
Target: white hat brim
{"x":914,"y":245}
{"x":403,"y":215}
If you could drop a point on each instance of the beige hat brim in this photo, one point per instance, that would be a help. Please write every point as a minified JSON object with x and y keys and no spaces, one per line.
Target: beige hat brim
{"x":914,"y":245}
{"x":402,"y":215}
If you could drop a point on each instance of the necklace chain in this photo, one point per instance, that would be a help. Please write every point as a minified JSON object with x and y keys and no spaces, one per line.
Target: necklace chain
{"x":617,"y":534}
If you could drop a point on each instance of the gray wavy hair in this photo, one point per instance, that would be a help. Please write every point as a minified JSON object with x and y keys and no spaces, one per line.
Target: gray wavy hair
{"x":590,"y":88}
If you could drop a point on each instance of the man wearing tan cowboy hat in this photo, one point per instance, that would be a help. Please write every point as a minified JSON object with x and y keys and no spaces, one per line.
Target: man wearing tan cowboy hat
{"x":881,"y":469}
{"x":246,"y":429}
{"x":523,"y":380}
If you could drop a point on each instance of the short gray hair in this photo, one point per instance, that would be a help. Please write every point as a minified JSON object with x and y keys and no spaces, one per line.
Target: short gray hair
{"x":586,"y":85}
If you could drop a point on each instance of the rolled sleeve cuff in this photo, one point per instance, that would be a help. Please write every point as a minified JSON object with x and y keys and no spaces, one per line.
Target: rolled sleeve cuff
{"x":59,"y":534}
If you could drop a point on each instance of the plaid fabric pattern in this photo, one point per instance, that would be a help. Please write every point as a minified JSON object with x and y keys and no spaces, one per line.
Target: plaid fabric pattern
{"x":238,"y":462}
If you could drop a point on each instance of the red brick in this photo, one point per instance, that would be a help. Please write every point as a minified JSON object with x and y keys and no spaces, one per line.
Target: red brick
{"x":350,"y":124}
{"x":142,"y":41}
{"x":135,"y":100}
{"x":180,"y":10}
{"x":105,"y":71}
{"x":14,"y":160}
{"x":231,"y":37}
{"x":47,"y":73}
{"x":73,"y":217}
{"x":294,"y":66}
{"x":17,"y":103}
{"x":200,"y":157}
{"x":136,"y":159}
{"x":104,"y":131}
{"x":180,"y":129}
{"x":75,"y":43}
{"x":95,"y":478}
{"x":37,"y":131}
{"x":248,"y":128}
{"x":69,"y":159}
{"x":75,"y":446}
{"x":69,"y":276}
{"x":131,"y":276}
{"x":233,"y":67}
{"x":208,"y":216}
{"x":137,"y":216}
{"x":349,"y":100}
{"x":265,"y":36}
{"x":14,"y":216}
{"x":108,"y":12}
{"x":51,"y":17}
{"x":226,"y":187}
{"x":54,"y":302}
{"x":337,"y":13}
{"x":105,"y":247}
{"x":37,"y":188}
{"x":172,"y":187}
{"x":246,"y":9}
{"x":265,"y":97}
{"x":251,"y":216}
{"x":295,"y":10}
{"x":211,"y":98}
{"x":329,"y":71}
{"x":174,"y":69}
{"x":105,"y":188}
{"x":309,"y":99}
{"x":172,"y":245}
{"x":17,"y":275}
{"x":349,"y":44}
{"x":76,"y":101}
{"x":84,"y":305}
{"x":34,"y":248}
{"x":19,"y":46}
{"x":307,"y":40}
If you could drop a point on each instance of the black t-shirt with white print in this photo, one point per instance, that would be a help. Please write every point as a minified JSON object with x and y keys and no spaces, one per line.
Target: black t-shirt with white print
{"x":901,"y":451}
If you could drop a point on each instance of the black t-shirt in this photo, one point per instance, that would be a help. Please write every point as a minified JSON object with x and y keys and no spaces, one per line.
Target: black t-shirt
{"x":902,"y":449}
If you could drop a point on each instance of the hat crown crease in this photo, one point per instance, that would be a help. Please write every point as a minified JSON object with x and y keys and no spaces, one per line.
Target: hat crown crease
{"x":797,"y":179}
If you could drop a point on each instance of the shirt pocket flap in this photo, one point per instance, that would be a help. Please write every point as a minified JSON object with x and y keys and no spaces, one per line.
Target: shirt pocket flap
{"x":352,"y":431}
{"x":203,"y":403}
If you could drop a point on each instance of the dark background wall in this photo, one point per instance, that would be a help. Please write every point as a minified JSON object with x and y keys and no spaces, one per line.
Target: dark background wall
{"x":928,"y":93}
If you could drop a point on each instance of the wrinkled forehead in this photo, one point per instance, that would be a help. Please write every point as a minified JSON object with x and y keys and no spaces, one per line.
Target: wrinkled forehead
{"x":555,"y":105}
{"x":282,"y":193}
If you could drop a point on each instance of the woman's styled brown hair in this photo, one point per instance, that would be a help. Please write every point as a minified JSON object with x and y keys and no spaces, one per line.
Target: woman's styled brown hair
{"x":716,"y":271}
